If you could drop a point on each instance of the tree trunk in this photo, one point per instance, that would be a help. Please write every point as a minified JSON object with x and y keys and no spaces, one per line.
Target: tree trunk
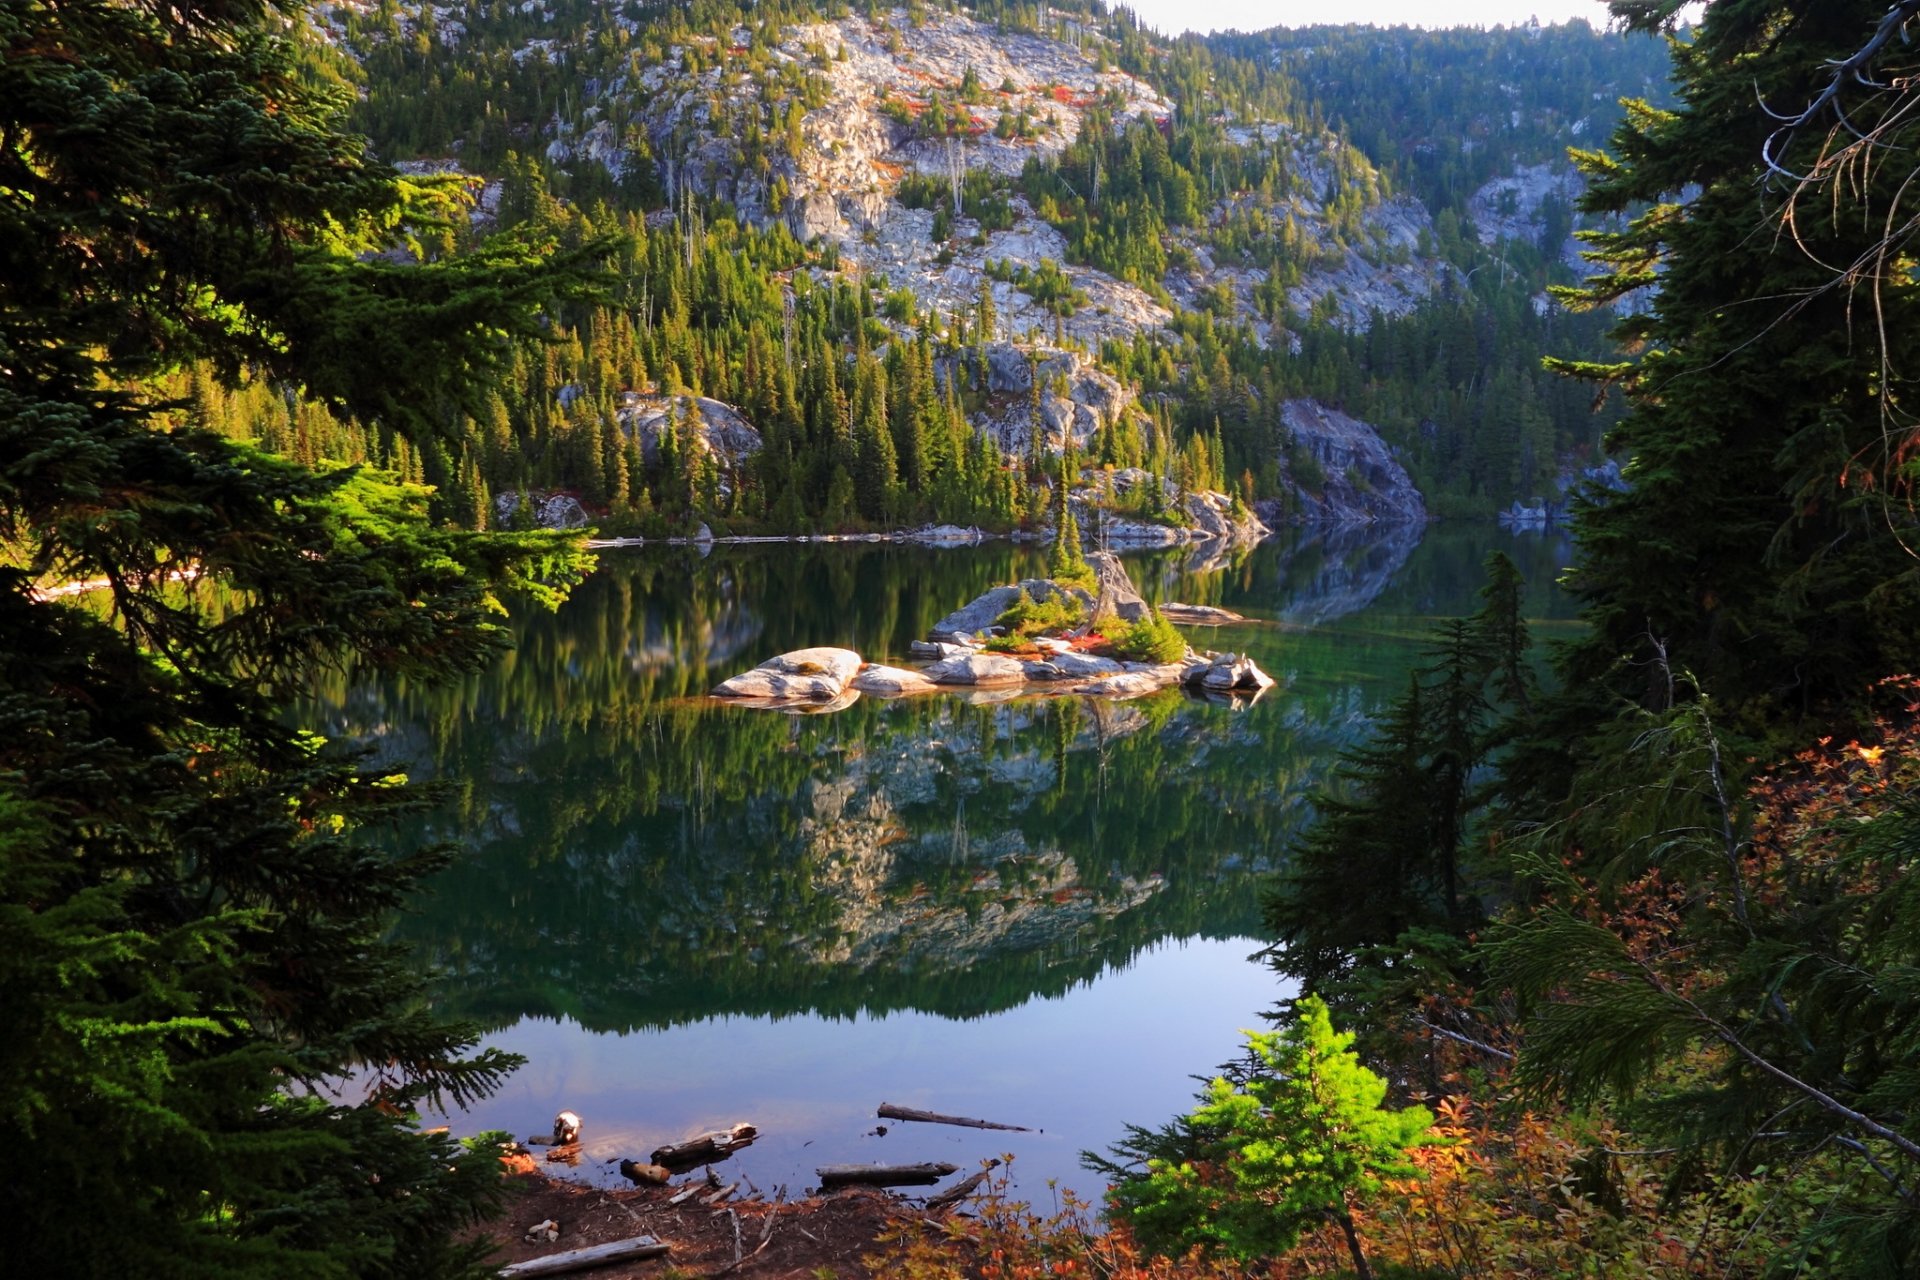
{"x":1360,"y":1267}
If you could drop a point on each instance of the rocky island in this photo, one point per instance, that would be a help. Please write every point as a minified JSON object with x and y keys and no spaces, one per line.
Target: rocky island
{"x":1095,"y":637}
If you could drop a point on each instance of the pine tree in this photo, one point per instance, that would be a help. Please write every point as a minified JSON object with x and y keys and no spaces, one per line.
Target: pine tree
{"x":1298,"y":1142}
{"x":1765,"y":538}
{"x":1067,"y":562}
{"x":1363,"y":874}
{"x":191,"y":911}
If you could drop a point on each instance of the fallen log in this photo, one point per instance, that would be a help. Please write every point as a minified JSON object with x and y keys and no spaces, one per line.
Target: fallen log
{"x":599,"y":1255}
{"x":569,"y":1154}
{"x":716,"y":1145}
{"x":890,"y":1112}
{"x":883,"y":1175}
{"x":960,"y":1190}
{"x":1198,"y":615}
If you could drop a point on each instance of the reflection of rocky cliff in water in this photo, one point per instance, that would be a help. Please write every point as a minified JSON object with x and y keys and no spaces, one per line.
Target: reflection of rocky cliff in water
{"x":639,"y":856}
{"x":1341,"y":569}
{"x":955,"y":859}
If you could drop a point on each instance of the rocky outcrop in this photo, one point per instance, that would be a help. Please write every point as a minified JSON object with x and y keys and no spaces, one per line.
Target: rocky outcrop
{"x":984,"y":610}
{"x":1072,"y":665}
{"x":714,"y":428}
{"x":549,"y":510}
{"x":1514,"y":207}
{"x":1538,"y":512}
{"x":944,"y":535}
{"x":816,"y":674}
{"x":890,"y":682}
{"x":1341,"y":472}
{"x":1386,"y":274}
{"x":1198,"y":517}
{"x":1076,"y":398}
{"x":1115,"y":596}
{"x":1127,"y":684}
{"x":810,"y":679}
{"x":1227,"y":671}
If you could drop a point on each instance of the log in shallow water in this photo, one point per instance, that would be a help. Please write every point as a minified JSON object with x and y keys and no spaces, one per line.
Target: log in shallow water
{"x":890,"y":1112}
{"x":883,"y":1175}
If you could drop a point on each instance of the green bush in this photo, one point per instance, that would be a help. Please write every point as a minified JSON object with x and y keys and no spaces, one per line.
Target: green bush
{"x":1151,"y":639}
{"x":1030,"y":617}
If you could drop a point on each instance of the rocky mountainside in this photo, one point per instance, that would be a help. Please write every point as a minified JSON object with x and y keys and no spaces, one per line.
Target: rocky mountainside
{"x":1241,"y":264}
{"x":875,"y":82}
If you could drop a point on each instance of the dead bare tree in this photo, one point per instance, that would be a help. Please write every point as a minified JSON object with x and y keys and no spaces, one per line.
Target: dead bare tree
{"x":1865,"y":115}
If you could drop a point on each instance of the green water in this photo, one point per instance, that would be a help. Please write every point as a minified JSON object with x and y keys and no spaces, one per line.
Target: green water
{"x":1040,"y":910}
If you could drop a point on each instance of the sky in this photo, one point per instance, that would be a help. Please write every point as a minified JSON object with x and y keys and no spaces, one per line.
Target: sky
{"x":1175,"y":16}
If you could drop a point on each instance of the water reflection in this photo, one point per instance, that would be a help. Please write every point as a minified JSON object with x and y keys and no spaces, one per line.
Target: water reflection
{"x":643,"y":860}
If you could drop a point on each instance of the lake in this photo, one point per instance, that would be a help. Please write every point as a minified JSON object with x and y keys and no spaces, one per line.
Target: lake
{"x":1042,"y":911}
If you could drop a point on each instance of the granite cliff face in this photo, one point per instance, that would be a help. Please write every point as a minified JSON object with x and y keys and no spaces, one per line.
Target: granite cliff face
{"x":1341,"y":472}
{"x":852,"y":90}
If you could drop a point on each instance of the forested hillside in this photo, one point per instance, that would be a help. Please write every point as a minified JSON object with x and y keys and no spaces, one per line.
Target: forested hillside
{"x":840,"y":228}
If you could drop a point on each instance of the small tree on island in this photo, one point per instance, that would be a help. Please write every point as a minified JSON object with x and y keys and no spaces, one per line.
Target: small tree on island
{"x":1068,"y":561}
{"x":1291,"y":1147}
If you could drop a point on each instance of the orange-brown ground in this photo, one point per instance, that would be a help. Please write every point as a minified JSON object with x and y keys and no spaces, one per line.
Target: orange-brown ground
{"x":811,"y":1239}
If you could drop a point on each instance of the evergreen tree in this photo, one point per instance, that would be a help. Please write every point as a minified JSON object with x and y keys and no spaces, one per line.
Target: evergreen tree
{"x":1298,"y":1142}
{"x":1362,"y":876}
{"x":1067,"y":562}
{"x":1765,"y":539}
{"x":190,"y":912}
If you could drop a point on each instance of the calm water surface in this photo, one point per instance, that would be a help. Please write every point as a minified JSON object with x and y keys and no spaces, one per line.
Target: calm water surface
{"x":1035,"y":910}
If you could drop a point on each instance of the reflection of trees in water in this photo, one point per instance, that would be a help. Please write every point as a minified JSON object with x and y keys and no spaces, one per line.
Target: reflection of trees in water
{"x":643,"y":856}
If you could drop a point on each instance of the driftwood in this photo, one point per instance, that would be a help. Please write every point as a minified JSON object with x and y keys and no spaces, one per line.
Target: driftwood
{"x":884,"y":1175}
{"x":600,"y":1255}
{"x":569,"y":1154}
{"x":686,"y":1194}
{"x":717,"y":1145}
{"x":960,"y":1190}
{"x":890,"y":1112}
{"x":1198,"y":615}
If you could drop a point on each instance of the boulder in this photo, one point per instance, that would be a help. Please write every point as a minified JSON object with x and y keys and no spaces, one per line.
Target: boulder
{"x":1141,"y":533}
{"x":937,"y":649}
{"x":977,"y":669}
{"x":820,"y":673}
{"x":890,"y":682}
{"x":715,"y":428}
{"x":1073,"y":666}
{"x":816,"y":216}
{"x":1128,"y":684}
{"x":945,"y":535}
{"x":1226,"y":671}
{"x":1116,"y":594}
{"x":1164,"y":672}
{"x":549,"y":511}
